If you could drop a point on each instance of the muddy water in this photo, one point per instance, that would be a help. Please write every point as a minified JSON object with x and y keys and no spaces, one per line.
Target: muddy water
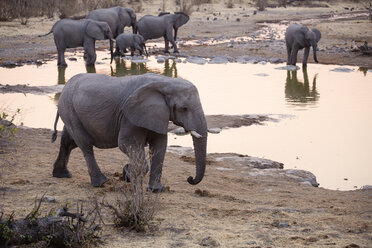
{"x":323,"y":117}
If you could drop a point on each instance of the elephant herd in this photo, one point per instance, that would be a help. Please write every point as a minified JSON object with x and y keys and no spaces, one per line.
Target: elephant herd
{"x":101,"y":24}
{"x":132,"y":112}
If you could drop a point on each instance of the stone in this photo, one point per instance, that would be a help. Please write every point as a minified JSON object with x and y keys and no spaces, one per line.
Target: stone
{"x":342,"y":69}
{"x":50,"y":199}
{"x":179,"y":131}
{"x":302,"y":176}
{"x":288,"y":68}
{"x":219,"y":60}
{"x":209,"y":241}
{"x":196,"y":60}
{"x":214,"y":130}
{"x":366,"y":187}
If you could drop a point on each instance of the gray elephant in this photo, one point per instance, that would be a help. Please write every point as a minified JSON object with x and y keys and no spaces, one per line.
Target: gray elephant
{"x":132,"y":41}
{"x":153,"y":27}
{"x":117,"y":18}
{"x":128,"y":112}
{"x":80,"y":33}
{"x":298,"y":37}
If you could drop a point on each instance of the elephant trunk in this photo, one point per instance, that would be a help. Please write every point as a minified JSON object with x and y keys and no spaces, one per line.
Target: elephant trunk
{"x":134,"y":28}
{"x":314,"y":52}
{"x":111,"y":50}
{"x":200,"y":148}
{"x":147,"y":54}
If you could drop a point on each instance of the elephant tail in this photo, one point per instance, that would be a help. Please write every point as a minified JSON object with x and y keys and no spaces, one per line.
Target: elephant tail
{"x":54,"y":135}
{"x":41,"y":35}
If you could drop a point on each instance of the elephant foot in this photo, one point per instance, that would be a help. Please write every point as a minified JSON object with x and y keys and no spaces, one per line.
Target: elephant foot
{"x":61,"y":173}
{"x":176,"y":51}
{"x":98,"y":180}
{"x":157,"y":188}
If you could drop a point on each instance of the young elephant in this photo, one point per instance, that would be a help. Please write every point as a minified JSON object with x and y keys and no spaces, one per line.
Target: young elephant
{"x":80,"y":33}
{"x":132,"y":41}
{"x":128,"y":112}
{"x":298,"y":37}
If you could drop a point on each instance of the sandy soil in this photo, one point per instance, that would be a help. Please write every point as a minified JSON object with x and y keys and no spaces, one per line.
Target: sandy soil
{"x":240,"y":206}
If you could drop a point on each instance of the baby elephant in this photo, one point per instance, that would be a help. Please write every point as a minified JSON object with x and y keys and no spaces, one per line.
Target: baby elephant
{"x":134,"y":41}
{"x":298,"y":37}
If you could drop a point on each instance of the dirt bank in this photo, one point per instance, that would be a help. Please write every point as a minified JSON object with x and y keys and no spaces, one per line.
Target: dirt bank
{"x":240,"y":206}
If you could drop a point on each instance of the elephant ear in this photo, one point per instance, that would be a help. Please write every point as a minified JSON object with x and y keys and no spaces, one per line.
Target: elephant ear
{"x":181,"y":19}
{"x":127,"y":16}
{"x":317,"y":33}
{"x":94,"y":30}
{"x":147,"y":108}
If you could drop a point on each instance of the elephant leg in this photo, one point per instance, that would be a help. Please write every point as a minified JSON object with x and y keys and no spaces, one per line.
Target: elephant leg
{"x":61,"y":58}
{"x":289,"y":51}
{"x":171,"y":40}
{"x":158,"y":147}
{"x":306,"y":56}
{"x":89,"y":48}
{"x":166,"y":44}
{"x":294,"y":55}
{"x":96,"y":176}
{"x":60,"y":165}
{"x":132,"y":51}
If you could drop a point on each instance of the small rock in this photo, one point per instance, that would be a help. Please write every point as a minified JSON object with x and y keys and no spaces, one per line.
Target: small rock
{"x":288,"y":68}
{"x":208,"y":241}
{"x":366,"y":187}
{"x":49,"y":199}
{"x":342,"y":69}
{"x":161,"y":60}
{"x":230,"y":45}
{"x":302,"y":176}
{"x":238,"y":19}
{"x":179,"y":131}
{"x":196,"y":60}
{"x":219,"y":60}
{"x":214,"y":130}
{"x":283,"y":225}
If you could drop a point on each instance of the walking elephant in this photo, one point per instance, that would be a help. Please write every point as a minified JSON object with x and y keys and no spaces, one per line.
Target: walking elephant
{"x":116,"y":17}
{"x":128,"y":112}
{"x":132,"y":41}
{"x":298,"y":37}
{"x":153,"y":27}
{"x":80,"y":33}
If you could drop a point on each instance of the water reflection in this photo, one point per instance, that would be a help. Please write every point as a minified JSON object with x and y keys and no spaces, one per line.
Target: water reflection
{"x":300,"y":92}
{"x":127,"y":67}
{"x":61,"y":75}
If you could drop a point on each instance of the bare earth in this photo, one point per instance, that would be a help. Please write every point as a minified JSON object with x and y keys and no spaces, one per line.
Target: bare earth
{"x":236,"y":205}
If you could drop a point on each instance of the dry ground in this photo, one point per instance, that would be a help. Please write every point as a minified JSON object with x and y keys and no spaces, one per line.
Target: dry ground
{"x":240,"y":207}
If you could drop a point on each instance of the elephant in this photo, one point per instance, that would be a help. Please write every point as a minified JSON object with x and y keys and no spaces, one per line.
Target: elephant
{"x":117,"y":18}
{"x":128,"y":112}
{"x":134,"y":41}
{"x":153,"y":27}
{"x":298,"y":37}
{"x":70,"y":33}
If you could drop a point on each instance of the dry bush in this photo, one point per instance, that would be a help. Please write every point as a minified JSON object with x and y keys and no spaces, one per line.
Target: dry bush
{"x":59,"y":228}
{"x":134,"y":206}
{"x":261,"y":4}
{"x":230,"y":4}
{"x":6,"y":10}
{"x":67,"y":8}
{"x":185,"y":6}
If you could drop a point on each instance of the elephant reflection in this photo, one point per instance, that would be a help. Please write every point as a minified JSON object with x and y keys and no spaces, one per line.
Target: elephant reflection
{"x":300,"y":92}
{"x":125,"y":68}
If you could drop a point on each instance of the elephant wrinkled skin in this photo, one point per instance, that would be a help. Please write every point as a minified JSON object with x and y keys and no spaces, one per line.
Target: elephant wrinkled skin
{"x":128,"y":112}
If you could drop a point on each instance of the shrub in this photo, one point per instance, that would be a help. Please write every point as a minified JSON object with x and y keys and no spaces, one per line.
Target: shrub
{"x":261,"y":4}
{"x":134,"y":206}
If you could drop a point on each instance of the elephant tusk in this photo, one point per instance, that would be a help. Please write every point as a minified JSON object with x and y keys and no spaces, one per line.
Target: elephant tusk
{"x":196,"y":135}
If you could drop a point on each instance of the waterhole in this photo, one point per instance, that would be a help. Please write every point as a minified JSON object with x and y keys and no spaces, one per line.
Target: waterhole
{"x":323,"y":121}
